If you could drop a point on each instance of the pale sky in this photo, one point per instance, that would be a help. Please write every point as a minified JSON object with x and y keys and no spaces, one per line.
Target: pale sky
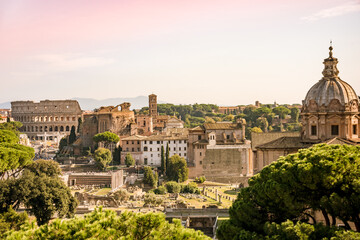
{"x":227,"y":52}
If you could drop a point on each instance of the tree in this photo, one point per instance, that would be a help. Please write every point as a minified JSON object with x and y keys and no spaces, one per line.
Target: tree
{"x":12,"y":126}
{"x":79,"y":124}
{"x":262,"y":123}
{"x":129,"y":160}
{"x":163,"y":162}
{"x":63,"y":143}
{"x":117,"y":155}
{"x":173,"y":187}
{"x":149,"y":177}
{"x":256,"y":130}
{"x":103,"y":157}
{"x":121,"y":196}
{"x":281,"y":111}
{"x":106,"y":224}
{"x":41,"y":190}
{"x":11,"y":220}
{"x":295,"y":114}
{"x":72,"y":136}
{"x":8,"y":136}
{"x":322,"y":178}
{"x":177,"y":169}
{"x":167,"y":158}
{"x":106,"y":138}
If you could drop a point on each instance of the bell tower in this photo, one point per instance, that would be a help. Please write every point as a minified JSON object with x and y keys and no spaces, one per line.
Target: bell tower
{"x":153,"y":106}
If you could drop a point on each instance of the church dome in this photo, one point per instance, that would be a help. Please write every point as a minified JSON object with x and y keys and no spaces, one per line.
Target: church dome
{"x":330,"y":87}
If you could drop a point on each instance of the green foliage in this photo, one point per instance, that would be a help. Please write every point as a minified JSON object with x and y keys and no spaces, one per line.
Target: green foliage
{"x":116,"y":155}
{"x":106,"y":138}
{"x":121,"y":196}
{"x":47,"y":167}
{"x":190,"y":188}
{"x":323,"y":178}
{"x":72,"y":136}
{"x":11,"y":220}
{"x":163,"y":161}
{"x":14,"y":157}
{"x":200,"y":179}
{"x":160,"y":190}
{"x":256,"y":130}
{"x":106,"y":224}
{"x":173,"y":187}
{"x":167,"y":156}
{"x":129,"y":160}
{"x":151,"y":200}
{"x":103,"y":157}
{"x":281,"y":111}
{"x":11,"y":126}
{"x":79,"y":124}
{"x":149,"y":177}
{"x":177,"y":169}
{"x":8,"y":136}
{"x":295,"y":112}
{"x":63,"y":143}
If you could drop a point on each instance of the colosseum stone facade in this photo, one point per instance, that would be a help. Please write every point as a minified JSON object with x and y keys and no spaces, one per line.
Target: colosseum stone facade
{"x":50,"y":118}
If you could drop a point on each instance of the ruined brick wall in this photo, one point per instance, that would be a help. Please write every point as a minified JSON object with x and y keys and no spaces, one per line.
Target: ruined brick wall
{"x":227,"y":165}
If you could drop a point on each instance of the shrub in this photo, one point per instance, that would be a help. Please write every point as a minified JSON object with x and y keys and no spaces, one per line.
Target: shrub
{"x":160,"y":190}
{"x":200,"y":179}
{"x":173,"y":187}
{"x":190,"y":188}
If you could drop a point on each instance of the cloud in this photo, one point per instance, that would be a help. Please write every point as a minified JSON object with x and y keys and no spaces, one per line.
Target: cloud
{"x":70,"y":62}
{"x":340,"y":10}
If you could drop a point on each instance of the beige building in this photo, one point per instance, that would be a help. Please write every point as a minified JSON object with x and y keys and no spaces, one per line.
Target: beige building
{"x":220,"y":152}
{"x":120,"y":122}
{"x":330,"y":114}
{"x":49,"y":118}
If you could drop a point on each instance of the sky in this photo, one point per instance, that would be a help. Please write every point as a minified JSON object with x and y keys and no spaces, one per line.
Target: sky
{"x":226,"y":52}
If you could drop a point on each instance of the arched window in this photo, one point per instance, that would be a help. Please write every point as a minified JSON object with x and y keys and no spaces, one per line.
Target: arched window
{"x":61,"y":128}
{"x":67,"y":128}
{"x":50,"y":129}
{"x":145,"y":149}
{"x":56,"y":128}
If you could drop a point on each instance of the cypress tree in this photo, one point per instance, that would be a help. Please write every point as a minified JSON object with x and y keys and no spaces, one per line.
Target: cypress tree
{"x":163,"y":164}
{"x":167,"y":157}
{"x":72,"y":136}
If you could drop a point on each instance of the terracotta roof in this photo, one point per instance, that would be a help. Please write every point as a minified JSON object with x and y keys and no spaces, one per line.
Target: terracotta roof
{"x":220,"y":126}
{"x":198,"y":128}
{"x":285,"y":142}
{"x":134,"y":138}
{"x":202,"y":141}
{"x":258,"y":139}
{"x":341,"y":141}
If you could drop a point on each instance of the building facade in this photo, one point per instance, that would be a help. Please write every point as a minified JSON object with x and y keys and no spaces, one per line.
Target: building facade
{"x":330,"y":114}
{"x":51,"y":119}
{"x":220,"y":152}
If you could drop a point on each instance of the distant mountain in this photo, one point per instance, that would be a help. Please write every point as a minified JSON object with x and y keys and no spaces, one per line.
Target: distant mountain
{"x":91,"y":104}
{"x":5,"y":105}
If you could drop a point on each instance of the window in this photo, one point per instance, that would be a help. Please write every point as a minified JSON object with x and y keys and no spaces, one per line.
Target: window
{"x":145,"y":149}
{"x":334,"y":130}
{"x":199,"y":137}
{"x":127,"y":142}
{"x":158,"y":149}
{"x":151,"y":155}
{"x":200,"y":153}
{"x":184,"y":141}
{"x":132,"y":142}
{"x":180,"y":154}
{"x":200,"y":162}
{"x":138,"y":142}
{"x":227,"y":136}
{"x":144,"y":142}
{"x":174,"y":142}
{"x":180,"y":141}
{"x":150,"y":142}
{"x":145,"y":161}
{"x":313,"y":130}
{"x":133,"y":149}
{"x":158,"y":142}
{"x":138,"y":149}
{"x":185,"y":154}
{"x":127,"y":149}
{"x":354,"y":129}
{"x":150,"y":149}
{"x":184,"y":148}
{"x":174,"y":148}
{"x":179,"y":148}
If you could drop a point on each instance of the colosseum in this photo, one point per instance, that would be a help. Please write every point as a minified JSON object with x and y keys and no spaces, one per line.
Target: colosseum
{"x":52,"y":119}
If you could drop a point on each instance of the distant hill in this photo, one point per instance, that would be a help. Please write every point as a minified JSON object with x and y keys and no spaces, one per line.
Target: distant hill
{"x":91,"y":104}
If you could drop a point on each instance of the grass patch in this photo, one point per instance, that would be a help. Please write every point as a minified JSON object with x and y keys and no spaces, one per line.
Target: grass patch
{"x":103,"y":191}
{"x":231,"y":192}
